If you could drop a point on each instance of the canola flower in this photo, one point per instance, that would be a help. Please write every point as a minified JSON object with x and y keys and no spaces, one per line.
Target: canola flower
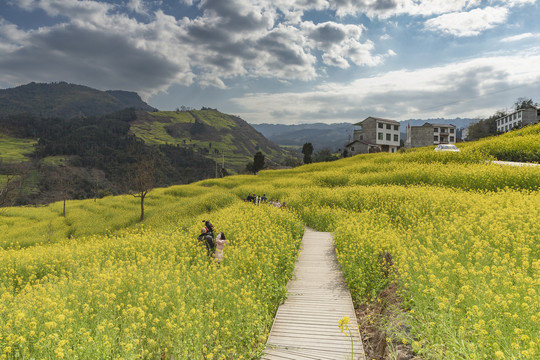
{"x":148,"y":294}
{"x":460,"y":237}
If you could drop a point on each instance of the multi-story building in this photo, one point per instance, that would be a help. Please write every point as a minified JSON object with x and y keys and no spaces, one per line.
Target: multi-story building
{"x":518,"y":119}
{"x":430,"y":134}
{"x":375,"y":134}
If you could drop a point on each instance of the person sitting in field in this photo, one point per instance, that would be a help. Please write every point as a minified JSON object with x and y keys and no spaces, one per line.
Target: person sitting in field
{"x":277,"y":203}
{"x":220,"y":245}
{"x":284,"y":205}
{"x":263,"y":198}
{"x":249,"y":198}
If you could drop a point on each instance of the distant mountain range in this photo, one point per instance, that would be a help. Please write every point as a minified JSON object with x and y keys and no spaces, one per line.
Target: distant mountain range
{"x":334,"y":136}
{"x":66,"y":101}
{"x":331,"y":136}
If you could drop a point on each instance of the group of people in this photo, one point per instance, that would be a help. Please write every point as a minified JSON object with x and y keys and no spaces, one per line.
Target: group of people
{"x":214,"y":244}
{"x":257,"y":199}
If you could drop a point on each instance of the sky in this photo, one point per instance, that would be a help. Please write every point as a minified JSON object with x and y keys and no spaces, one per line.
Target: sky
{"x":284,"y":61}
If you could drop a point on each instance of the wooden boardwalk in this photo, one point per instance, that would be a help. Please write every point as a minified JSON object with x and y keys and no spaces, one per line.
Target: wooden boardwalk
{"x":306,"y":325}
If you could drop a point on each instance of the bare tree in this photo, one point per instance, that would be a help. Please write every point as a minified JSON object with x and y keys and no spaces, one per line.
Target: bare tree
{"x":11,"y":184}
{"x":63,"y":181}
{"x":141,"y":179}
{"x":7,"y":190}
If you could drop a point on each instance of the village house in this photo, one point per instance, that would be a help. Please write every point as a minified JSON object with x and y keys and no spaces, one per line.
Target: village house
{"x":518,"y":119}
{"x":374,"y":135}
{"x":430,"y":134}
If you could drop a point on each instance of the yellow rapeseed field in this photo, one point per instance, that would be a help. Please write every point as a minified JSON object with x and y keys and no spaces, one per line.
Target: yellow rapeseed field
{"x":462,"y":234}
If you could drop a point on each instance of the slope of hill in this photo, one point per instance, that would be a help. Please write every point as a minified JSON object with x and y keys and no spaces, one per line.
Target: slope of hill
{"x":454,"y":235}
{"x":66,"y":101}
{"x":216,"y":135}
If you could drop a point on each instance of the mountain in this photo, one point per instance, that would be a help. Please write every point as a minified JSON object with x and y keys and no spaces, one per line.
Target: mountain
{"x":224,"y":138}
{"x":321,"y":136}
{"x":66,"y":101}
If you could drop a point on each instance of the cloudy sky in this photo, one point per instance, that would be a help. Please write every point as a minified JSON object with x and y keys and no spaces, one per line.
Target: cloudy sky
{"x":284,"y":61}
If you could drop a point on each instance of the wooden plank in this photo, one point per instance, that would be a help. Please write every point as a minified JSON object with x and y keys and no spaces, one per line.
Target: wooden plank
{"x":306,"y":324}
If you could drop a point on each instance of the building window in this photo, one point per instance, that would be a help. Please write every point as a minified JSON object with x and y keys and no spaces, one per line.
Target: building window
{"x":506,"y":120}
{"x":388,"y":137}
{"x":393,"y":150}
{"x":519,"y":114}
{"x":435,"y":138}
{"x":380,"y":136}
{"x":506,"y":128}
{"x":451,"y":139}
{"x":435,"y":129}
{"x":380,"y":125}
{"x":451,"y":131}
{"x":388,"y":127}
{"x":396,"y":138}
{"x":352,"y":148}
{"x":396,"y":127}
{"x":361,"y":137}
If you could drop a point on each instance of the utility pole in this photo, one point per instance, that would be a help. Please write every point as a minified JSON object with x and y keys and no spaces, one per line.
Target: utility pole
{"x":215,"y":160}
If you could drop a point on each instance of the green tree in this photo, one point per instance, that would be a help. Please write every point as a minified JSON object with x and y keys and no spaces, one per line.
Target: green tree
{"x":198,"y":127}
{"x":485,"y":127}
{"x":307,"y":150}
{"x":258,"y":162}
{"x":324,"y":155}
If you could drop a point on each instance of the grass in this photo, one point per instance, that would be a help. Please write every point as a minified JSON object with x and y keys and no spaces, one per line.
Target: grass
{"x":15,"y":150}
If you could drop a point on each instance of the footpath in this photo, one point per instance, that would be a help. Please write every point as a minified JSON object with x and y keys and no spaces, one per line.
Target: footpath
{"x":306,"y":326}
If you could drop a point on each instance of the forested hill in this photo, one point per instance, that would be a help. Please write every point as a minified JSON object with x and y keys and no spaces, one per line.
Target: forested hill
{"x":222,"y":137}
{"x":63,"y":100}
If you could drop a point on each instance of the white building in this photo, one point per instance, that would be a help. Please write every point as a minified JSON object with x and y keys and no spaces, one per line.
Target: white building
{"x":383,"y":133}
{"x":518,"y":119}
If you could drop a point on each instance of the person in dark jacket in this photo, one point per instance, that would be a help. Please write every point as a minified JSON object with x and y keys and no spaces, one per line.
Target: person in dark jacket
{"x":208,"y":241}
{"x":209,"y":227}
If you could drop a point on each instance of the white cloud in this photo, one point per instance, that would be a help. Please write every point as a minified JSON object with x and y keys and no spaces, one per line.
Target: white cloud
{"x":229,"y":39}
{"x":463,"y":89}
{"x":513,"y":3}
{"x":73,"y":9}
{"x":340,"y":44}
{"x":100,"y":46}
{"x":468,"y":23}
{"x":138,"y":6}
{"x":521,"y":37}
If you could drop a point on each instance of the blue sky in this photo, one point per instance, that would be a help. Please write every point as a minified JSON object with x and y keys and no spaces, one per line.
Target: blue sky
{"x":284,"y":61}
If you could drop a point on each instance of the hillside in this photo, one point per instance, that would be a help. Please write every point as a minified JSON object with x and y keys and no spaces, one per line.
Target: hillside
{"x":454,"y":236}
{"x":213,"y":134}
{"x":96,"y":152}
{"x":66,"y":101}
